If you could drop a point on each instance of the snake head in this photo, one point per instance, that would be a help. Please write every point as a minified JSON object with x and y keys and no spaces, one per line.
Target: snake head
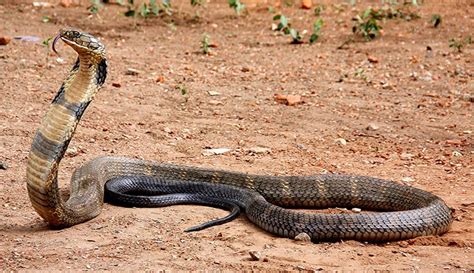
{"x":82,"y":43}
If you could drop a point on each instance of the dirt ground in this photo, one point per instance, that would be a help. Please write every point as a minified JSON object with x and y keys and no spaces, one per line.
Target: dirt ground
{"x":389,"y":108}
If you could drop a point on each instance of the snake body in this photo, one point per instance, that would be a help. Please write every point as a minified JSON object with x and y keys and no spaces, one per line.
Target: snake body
{"x":406,"y":212}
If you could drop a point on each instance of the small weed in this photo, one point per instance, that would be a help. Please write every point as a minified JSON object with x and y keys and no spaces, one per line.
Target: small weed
{"x":435,"y":20}
{"x":199,"y":3}
{"x":339,"y":8}
{"x":318,"y":10}
{"x":46,"y":41}
{"x":360,"y":73}
{"x":296,"y":37}
{"x":285,"y":27}
{"x":459,"y":44}
{"x":148,"y":9}
{"x":236,"y":5}
{"x":366,"y":24}
{"x":95,"y":6}
{"x":316,"y":31}
{"x":183,"y":90}
{"x":205,"y":44}
{"x":46,"y":19}
{"x":289,"y":3}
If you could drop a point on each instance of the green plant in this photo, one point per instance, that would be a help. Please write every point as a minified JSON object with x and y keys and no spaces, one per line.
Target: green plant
{"x":435,"y":20}
{"x":148,"y":9}
{"x":205,"y":42}
{"x":195,"y":3}
{"x":285,"y":27}
{"x":46,"y":41}
{"x":459,"y":44}
{"x":236,"y":5}
{"x":181,"y":87}
{"x":95,"y":6}
{"x":316,"y":31}
{"x":366,"y":24}
{"x":318,"y":9}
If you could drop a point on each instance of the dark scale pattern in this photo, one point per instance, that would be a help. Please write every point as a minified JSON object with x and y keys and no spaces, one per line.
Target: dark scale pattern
{"x":430,"y":218}
{"x":101,"y":73}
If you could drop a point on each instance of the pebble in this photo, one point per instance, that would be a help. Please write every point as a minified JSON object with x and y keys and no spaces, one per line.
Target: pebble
{"x":303,"y":237}
{"x":372,"y":59}
{"x":3,"y":165}
{"x":213,"y":93}
{"x":406,"y":156}
{"x":132,"y":72}
{"x":340,"y":141}
{"x":408,"y":179}
{"x":255,"y":255}
{"x":217,"y":151}
{"x":457,"y":153}
{"x":356,"y":210}
{"x":260,"y":150}
{"x":4,"y":40}
{"x":215,"y":102}
{"x":372,"y":127}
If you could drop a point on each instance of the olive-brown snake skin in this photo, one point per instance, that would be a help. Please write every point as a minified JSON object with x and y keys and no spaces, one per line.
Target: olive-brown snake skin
{"x":404,"y":212}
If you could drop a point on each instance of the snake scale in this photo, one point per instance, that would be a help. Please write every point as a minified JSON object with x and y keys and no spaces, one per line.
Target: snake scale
{"x":402,"y":211}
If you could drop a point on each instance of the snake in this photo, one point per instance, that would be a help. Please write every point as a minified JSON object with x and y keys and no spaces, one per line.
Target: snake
{"x":277,"y":204}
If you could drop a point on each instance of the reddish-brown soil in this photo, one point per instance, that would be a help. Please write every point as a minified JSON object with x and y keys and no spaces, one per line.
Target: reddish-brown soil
{"x":407,"y":117}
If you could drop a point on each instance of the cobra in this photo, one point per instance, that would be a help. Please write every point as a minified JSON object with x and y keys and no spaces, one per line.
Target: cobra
{"x":403,"y":211}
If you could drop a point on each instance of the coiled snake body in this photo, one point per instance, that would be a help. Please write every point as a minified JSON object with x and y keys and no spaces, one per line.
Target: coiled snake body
{"x":407,"y":211}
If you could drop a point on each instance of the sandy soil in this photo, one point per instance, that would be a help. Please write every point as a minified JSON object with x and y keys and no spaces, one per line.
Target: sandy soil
{"x":407,"y":117}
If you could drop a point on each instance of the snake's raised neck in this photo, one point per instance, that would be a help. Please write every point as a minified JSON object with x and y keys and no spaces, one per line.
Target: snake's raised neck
{"x":58,"y":126}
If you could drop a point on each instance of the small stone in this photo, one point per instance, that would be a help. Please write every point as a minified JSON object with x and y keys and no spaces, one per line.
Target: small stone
{"x":245,"y":69}
{"x":306,"y":4}
{"x":289,"y":100}
{"x":408,"y":179}
{"x":218,"y":151}
{"x":3,"y":165}
{"x":300,"y":267}
{"x":255,"y":255}
{"x":65,"y":3}
{"x":406,"y":156}
{"x":457,"y":153}
{"x":213,"y":93}
{"x":260,"y":150}
{"x":4,"y":40}
{"x":132,"y":72}
{"x":340,"y":141}
{"x":356,"y":210}
{"x":116,"y":84}
{"x":72,"y":151}
{"x":372,"y":59}
{"x":372,"y":127}
{"x":371,"y":255}
{"x":160,"y":79}
{"x":215,"y":102}
{"x":303,"y":237}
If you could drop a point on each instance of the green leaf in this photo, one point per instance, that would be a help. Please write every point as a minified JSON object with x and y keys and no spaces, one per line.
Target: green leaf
{"x":277,"y":17}
{"x":283,"y":21}
{"x":293,"y":33}
{"x":130,"y":13}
